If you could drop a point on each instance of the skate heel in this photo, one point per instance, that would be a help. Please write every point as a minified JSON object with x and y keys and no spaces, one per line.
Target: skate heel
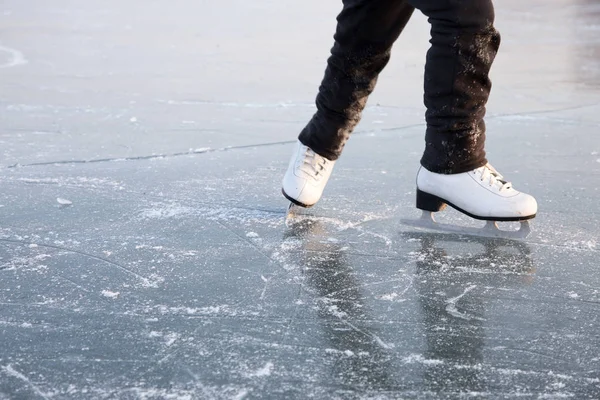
{"x":429,"y":202}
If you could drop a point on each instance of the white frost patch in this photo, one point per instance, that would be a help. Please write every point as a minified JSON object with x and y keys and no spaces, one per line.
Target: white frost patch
{"x":77,"y":181}
{"x":573,"y":295}
{"x":15,"y":57}
{"x":26,"y":263}
{"x":418,"y":358}
{"x":166,"y":211}
{"x":153,"y":281}
{"x":333,"y":310}
{"x":252,"y":234}
{"x":582,"y":245}
{"x":171,"y":338}
{"x":174,"y":210}
{"x":388,"y":297}
{"x":144,"y":394}
{"x":200,"y":150}
{"x":348,"y":353}
{"x":16,"y":324}
{"x":63,"y":202}
{"x":556,"y":396}
{"x":211,"y":310}
{"x":264,"y":371}
{"x":109,"y":294}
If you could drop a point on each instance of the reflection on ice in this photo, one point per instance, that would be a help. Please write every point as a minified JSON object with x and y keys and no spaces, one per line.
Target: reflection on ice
{"x":332,"y":280}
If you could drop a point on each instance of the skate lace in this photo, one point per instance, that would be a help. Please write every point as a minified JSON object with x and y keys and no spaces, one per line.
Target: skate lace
{"x":493,"y":177}
{"x":314,"y":164}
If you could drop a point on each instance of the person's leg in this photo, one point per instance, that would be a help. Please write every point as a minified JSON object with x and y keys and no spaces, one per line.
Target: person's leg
{"x":365,"y":33}
{"x":464,"y":44}
{"x":454,"y":169}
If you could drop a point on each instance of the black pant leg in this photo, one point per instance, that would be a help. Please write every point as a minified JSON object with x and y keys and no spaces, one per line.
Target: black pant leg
{"x":464,"y":44}
{"x":365,"y":33}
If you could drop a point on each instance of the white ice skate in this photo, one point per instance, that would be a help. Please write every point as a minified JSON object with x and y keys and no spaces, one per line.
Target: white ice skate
{"x":306,"y":177}
{"x":481,"y":194}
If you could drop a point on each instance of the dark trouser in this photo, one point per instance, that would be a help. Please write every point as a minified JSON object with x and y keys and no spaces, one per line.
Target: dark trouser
{"x":464,"y":44}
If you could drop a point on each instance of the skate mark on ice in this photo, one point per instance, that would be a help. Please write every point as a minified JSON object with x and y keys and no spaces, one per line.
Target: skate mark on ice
{"x":244,"y":239}
{"x":10,"y":371}
{"x":366,"y":285}
{"x":253,"y":245}
{"x":72,"y":283}
{"x":16,"y":57}
{"x":528,"y":351}
{"x":452,"y":310}
{"x":396,"y":297}
{"x":346,"y":225}
{"x":370,"y":335}
{"x":264,"y":291}
{"x":146,"y":282}
{"x":207,"y":392}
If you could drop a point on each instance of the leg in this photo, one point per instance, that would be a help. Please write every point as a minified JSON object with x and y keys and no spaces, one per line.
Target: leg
{"x":455,"y":171}
{"x":365,"y":33}
{"x":464,"y":44}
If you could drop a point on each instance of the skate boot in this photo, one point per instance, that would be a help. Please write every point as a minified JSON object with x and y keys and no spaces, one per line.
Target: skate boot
{"x":482,"y":194}
{"x":306,"y":176}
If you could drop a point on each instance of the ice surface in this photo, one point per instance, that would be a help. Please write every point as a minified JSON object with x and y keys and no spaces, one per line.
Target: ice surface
{"x":168,"y":126}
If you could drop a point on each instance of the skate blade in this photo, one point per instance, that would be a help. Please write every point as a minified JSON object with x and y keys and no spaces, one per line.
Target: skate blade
{"x":490,"y":230}
{"x":295,"y":214}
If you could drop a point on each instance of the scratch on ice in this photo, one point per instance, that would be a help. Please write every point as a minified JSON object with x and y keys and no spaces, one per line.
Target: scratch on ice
{"x":10,"y":371}
{"x":451,"y":305}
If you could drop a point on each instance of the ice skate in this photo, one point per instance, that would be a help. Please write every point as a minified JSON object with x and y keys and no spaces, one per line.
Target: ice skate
{"x":481,"y":194}
{"x":305,"y":179}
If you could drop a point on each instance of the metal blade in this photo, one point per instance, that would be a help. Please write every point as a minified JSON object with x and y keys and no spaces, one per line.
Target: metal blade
{"x":491,"y":229}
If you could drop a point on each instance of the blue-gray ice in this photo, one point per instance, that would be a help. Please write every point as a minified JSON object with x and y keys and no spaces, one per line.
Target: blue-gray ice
{"x":143,"y":249}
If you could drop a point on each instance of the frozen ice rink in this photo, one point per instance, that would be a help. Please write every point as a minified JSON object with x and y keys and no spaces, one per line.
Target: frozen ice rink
{"x":143,"y":248}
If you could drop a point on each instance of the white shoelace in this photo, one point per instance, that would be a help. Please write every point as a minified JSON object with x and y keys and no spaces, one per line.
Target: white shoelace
{"x":313,"y":164}
{"x":493,"y":177}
